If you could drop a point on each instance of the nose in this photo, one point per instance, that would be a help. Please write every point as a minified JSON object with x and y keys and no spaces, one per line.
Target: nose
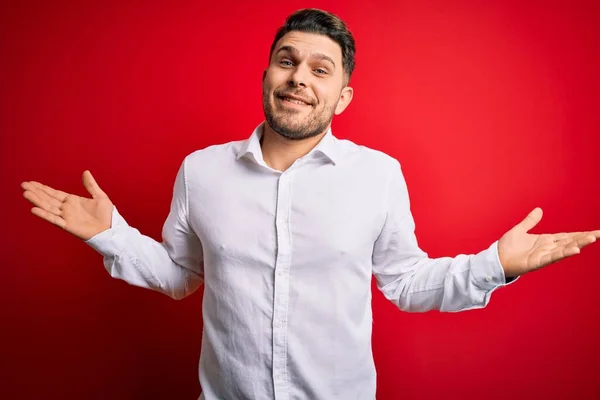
{"x":299,"y":77}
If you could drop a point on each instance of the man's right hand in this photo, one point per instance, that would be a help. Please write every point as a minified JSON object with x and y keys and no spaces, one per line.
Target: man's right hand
{"x":80,"y":216}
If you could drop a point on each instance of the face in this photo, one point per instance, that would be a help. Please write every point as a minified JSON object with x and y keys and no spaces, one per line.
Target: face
{"x":304,"y":85}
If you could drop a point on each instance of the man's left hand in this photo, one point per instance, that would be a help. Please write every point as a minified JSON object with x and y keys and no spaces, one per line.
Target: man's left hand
{"x":521,"y":252}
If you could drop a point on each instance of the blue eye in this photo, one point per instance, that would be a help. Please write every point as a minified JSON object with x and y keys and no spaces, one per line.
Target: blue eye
{"x":320,"y":71}
{"x":286,"y":63}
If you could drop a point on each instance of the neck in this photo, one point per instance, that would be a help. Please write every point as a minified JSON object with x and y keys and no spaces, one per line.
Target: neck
{"x":280,"y":153}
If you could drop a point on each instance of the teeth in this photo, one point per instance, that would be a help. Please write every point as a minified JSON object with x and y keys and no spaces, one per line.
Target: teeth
{"x":296,"y":101}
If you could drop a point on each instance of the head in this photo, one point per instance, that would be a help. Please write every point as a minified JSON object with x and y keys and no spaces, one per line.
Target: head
{"x":306,"y":82}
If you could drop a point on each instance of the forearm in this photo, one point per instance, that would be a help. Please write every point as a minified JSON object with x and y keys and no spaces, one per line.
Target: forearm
{"x":447,"y":284}
{"x":142,"y":261}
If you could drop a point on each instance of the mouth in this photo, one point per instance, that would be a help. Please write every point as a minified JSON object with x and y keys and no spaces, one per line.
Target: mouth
{"x":294,"y":100}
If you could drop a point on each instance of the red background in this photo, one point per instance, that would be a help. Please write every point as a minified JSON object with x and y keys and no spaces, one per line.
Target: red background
{"x":491,"y":107}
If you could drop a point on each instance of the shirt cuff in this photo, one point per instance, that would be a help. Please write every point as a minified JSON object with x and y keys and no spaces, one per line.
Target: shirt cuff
{"x":487,"y":270}
{"x":103,"y":242}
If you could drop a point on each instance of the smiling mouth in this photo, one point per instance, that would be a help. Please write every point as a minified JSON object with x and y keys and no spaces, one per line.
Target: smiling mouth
{"x":293,"y":101}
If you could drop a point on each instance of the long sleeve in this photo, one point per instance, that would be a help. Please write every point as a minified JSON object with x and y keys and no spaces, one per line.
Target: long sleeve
{"x":173,"y":267}
{"x":417,"y":283}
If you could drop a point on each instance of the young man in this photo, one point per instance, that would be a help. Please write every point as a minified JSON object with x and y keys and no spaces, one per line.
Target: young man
{"x":285,"y":230}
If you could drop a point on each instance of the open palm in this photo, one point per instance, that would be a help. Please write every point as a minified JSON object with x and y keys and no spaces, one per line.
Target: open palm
{"x":81,"y":216}
{"x":521,"y":252}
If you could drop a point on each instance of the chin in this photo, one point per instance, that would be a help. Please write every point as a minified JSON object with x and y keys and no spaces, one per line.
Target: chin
{"x":290,"y":122}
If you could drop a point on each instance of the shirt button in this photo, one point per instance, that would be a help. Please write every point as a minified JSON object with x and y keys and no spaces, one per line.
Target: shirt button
{"x":488,"y":278}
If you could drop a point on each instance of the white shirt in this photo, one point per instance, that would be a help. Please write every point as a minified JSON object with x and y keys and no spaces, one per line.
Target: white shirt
{"x":286,"y":259}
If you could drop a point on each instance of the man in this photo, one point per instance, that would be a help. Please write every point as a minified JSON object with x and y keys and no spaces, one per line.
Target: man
{"x":285,"y":230}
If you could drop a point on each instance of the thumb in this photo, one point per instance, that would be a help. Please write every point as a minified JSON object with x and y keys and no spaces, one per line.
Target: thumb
{"x":531,"y":220}
{"x":91,"y":186}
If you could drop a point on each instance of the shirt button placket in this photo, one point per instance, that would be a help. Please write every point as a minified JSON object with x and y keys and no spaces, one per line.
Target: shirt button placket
{"x":281,"y":295}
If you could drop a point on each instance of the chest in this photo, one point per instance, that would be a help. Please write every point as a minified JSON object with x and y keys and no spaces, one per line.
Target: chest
{"x":318,"y":211}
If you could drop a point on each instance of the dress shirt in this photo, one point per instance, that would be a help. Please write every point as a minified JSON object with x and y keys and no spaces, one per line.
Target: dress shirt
{"x":286,"y":259}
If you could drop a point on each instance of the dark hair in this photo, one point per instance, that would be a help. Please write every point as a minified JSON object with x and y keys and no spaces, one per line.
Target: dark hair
{"x":312,"y":20}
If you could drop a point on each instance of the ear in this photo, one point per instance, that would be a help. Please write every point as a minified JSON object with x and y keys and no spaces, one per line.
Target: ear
{"x":345,"y":99}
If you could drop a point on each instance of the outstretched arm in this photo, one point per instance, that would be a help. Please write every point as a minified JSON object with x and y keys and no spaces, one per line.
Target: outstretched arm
{"x":173,"y":267}
{"x":417,"y":283}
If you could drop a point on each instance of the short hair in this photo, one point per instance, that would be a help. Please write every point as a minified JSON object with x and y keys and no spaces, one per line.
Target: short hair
{"x":312,"y":20}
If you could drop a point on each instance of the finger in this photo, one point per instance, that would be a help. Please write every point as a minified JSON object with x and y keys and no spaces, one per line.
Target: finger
{"x":531,"y":220}
{"x":41,"y":194}
{"x":562,"y":239}
{"x":54,"y":219}
{"x":585,"y":240}
{"x":54,"y":193}
{"x":570,"y":251}
{"x":91,"y":185}
{"x":558,"y":255}
{"x":564,"y":236}
{"x":582,"y":240}
{"x":38,"y":201}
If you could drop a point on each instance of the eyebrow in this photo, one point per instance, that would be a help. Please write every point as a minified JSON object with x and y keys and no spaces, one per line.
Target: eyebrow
{"x":293,"y":50}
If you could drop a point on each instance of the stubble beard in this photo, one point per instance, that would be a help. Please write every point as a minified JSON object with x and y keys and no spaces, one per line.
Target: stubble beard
{"x":288,"y":124}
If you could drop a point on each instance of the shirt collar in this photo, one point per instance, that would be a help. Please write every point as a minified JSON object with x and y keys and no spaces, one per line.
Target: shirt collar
{"x":251,"y":146}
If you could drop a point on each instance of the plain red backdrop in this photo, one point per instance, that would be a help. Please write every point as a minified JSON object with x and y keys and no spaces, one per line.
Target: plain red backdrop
{"x":490,"y":106}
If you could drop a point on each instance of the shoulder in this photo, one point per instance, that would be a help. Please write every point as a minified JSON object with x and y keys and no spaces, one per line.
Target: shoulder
{"x":214,"y":154}
{"x":365,"y":157}
{"x":204,"y":167}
